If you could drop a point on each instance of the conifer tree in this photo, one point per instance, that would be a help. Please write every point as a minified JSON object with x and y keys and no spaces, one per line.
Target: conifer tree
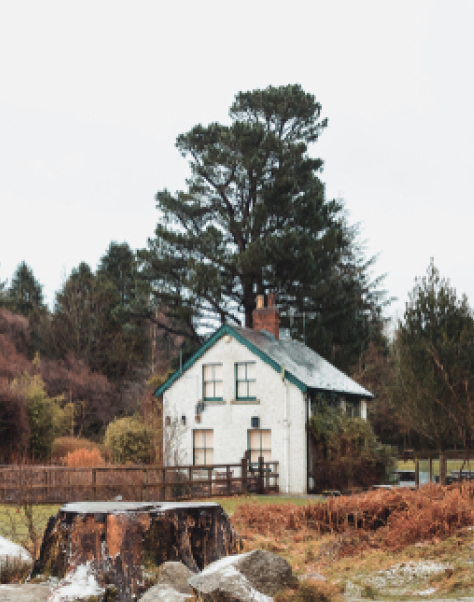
{"x":254,"y":219}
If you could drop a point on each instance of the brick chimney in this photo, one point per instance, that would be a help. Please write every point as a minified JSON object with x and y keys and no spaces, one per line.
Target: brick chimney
{"x":267,"y":318}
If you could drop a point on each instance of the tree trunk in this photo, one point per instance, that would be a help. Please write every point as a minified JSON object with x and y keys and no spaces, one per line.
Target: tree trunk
{"x":117,"y":539}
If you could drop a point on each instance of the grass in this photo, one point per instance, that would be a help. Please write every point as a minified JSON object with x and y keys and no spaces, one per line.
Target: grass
{"x":14,"y":524}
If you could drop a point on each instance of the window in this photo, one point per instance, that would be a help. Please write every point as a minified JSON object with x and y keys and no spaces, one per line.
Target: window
{"x":353,"y":408}
{"x":260,"y":444}
{"x":246,"y":380}
{"x":203,"y":448}
{"x":212,"y":382}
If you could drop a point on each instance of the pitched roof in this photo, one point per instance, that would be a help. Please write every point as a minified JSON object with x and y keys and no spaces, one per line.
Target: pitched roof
{"x":303,"y":367}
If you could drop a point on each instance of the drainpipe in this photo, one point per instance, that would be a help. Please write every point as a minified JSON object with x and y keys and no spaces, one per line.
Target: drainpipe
{"x":286,"y":425}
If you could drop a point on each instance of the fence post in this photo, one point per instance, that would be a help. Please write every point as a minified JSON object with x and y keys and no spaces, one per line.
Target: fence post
{"x":94,"y":484}
{"x":228,"y":480}
{"x":191,"y":478}
{"x":431,"y":469}
{"x":46,"y":485}
{"x":209,"y":477}
{"x":163,"y":489}
{"x":144,"y":483}
{"x":417,"y":472}
{"x":442,"y":468}
{"x":261,"y":484}
{"x":244,"y":474}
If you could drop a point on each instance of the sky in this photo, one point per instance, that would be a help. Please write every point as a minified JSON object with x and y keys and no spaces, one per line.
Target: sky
{"x":94,"y":94}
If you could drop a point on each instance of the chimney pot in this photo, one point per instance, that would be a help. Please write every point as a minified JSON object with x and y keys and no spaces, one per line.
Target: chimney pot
{"x":271,"y":300}
{"x":260,"y":301}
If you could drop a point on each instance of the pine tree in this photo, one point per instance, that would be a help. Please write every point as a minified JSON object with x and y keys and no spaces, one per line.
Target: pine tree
{"x":254,"y":219}
{"x":25,"y":293}
{"x":434,"y":363}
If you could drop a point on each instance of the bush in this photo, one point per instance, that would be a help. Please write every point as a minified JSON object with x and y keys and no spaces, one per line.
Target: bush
{"x":130,"y":441}
{"x":67,"y":445}
{"x":45,"y":415}
{"x":349,"y":453}
{"x":83,"y":457}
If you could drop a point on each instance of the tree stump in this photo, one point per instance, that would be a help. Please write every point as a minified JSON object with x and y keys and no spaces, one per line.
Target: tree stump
{"x":118,"y":539}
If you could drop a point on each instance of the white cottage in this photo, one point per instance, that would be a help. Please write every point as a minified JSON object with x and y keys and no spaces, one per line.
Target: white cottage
{"x":248,"y":390}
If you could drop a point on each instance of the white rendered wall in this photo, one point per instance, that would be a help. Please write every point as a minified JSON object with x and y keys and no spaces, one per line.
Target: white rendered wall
{"x":231,"y":422}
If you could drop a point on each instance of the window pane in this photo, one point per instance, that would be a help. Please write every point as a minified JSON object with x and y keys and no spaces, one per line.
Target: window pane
{"x":252,"y":389}
{"x":240,"y":371}
{"x":266,"y":439}
{"x":209,"y":390}
{"x":218,"y":372}
{"x":241,"y":390}
{"x":254,"y":440}
{"x":254,"y":457}
{"x":218,"y":389}
{"x":209,"y":438}
{"x":251,"y":371}
{"x":198,"y":457}
{"x":209,"y":456}
{"x":208,"y":373}
{"x":267,"y":455}
{"x":198,"y":439}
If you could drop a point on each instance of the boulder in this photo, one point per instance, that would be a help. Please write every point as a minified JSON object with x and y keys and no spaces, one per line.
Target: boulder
{"x":164,"y":593}
{"x":176,"y":575}
{"x":13,"y":554}
{"x":267,"y":572}
{"x":254,"y":576}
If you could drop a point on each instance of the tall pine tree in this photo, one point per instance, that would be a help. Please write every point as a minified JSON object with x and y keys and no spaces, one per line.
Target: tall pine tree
{"x":254,"y":219}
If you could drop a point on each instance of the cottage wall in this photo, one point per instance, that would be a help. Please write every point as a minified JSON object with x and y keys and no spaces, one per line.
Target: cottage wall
{"x":231,"y":420}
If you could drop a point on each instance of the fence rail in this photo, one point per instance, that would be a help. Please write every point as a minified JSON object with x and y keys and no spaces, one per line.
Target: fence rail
{"x":430,"y":455}
{"x":59,"y":485}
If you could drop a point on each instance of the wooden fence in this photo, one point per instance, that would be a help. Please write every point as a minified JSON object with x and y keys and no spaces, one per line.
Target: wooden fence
{"x":431,"y":455}
{"x":60,"y":485}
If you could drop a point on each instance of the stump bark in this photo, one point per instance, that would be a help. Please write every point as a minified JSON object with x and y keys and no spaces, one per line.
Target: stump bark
{"x":118,"y":539}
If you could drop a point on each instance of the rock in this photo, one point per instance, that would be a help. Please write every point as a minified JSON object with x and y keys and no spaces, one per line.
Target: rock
{"x":24,"y":593}
{"x":164,"y":593}
{"x":113,"y":539}
{"x":256,"y":575}
{"x":267,"y":572}
{"x":176,"y":575}
{"x":12,"y":553}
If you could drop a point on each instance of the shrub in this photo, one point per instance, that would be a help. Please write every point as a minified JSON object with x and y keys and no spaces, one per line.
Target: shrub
{"x":66,"y":445}
{"x":14,"y":569}
{"x":350,"y":454}
{"x":129,"y":441}
{"x":45,"y":415}
{"x":84,"y":457}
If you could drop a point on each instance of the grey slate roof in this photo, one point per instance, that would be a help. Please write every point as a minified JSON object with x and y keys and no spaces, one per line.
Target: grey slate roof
{"x":304,"y":363}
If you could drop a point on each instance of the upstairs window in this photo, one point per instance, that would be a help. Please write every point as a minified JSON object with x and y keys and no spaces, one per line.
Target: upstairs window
{"x":212,"y":382}
{"x":246,"y":380}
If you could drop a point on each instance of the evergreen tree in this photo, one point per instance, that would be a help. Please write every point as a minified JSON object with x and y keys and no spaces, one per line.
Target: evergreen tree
{"x":254,"y":219}
{"x":434,"y":363}
{"x":25,"y":293}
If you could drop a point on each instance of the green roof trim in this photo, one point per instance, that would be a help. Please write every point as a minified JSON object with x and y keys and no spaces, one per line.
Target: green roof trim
{"x":223,"y":330}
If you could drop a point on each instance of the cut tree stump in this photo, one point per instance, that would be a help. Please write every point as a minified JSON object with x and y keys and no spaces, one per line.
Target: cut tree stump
{"x":118,"y":538}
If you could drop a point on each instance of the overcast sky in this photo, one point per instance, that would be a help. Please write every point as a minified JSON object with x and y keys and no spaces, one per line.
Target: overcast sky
{"x":94,"y":94}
